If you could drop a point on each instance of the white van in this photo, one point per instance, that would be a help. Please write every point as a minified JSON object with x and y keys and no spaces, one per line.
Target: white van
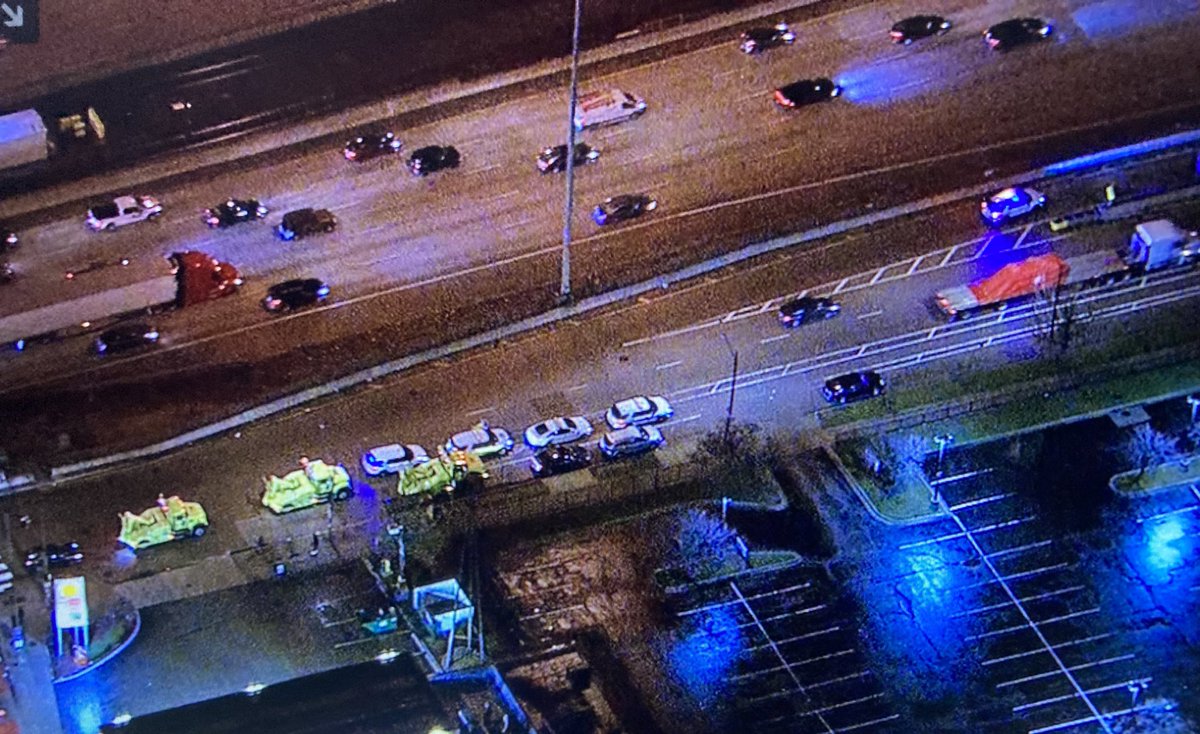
{"x":607,"y":108}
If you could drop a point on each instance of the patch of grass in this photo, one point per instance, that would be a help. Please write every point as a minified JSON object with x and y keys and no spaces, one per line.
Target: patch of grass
{"x":905,"y":501}
{"x":1158,"y":477}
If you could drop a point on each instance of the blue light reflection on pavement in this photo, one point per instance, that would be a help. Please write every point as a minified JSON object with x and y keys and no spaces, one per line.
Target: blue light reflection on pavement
{"x":1164,"y":550}
{"x":1115,"y":18}
{"x":706,"y":653}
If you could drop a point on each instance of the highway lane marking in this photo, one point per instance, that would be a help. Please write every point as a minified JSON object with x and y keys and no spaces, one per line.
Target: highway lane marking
{"x":668,"y":365}
{"x":687,"y":419}
{"x":1020,"y":243}
{"x":870,"y":314}
{"x":577,"y":388}
{"x":485,"y":169}
{"x":777,"y":337}
{"x":480,"y":411}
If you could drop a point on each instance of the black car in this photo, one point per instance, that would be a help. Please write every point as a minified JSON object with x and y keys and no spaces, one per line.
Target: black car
{"x":8,"y":238}
{"x":622,"y":207}
{"x":560,"y":460}
{"x":919,"y":26}
{"x":304,"y":222}
{"x":234,"y":211}
{"x":806,"y":91}
{"x":371,"y":145}
{"x":293,"y":294}
{"x":854,"y":386}
{"x":53,"y":556}
{"x":757,"y":40}
{"x":801,"y":310}
{"x":1016,"y":32}
{"x":554,"y":160}
{"x":433,"y":158}
{"x":125,"y":338}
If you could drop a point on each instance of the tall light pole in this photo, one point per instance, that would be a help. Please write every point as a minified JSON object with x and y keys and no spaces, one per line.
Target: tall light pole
{"x":732,"y":387}
{"x":943,"y":440}
{"x":1194,"y":403}
{"x":564,"y":289}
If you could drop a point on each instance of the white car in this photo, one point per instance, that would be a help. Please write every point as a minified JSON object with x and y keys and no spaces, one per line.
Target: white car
{"x":393,"y":459}
{"x":483,"y":439}
{"x":557,"y":431}
{"x":638,"y":411}
{"x":1015,"y":201}
{"x":121,"y":211}
{"x":6,"y":578}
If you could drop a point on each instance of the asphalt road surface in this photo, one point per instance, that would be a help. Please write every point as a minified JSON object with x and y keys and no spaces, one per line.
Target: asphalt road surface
{"x":311,"y":69}
{"x":665,"y":345}
{"x":411,"y":250}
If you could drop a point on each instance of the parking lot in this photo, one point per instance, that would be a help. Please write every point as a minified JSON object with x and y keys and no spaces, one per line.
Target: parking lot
{"x":1071,"y":604}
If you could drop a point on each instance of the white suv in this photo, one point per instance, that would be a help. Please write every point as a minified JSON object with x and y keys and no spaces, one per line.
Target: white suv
{"x":123,"y":210}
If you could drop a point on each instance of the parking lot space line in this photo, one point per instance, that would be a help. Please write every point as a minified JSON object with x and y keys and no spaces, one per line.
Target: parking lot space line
{"x":980,"y":501}
{"x":1001,"y":605}
{"x":1021,"y":575}
{"x":963,"y":475}
{"x":351,"y":643}
{"x":1042,"y":651}
{"x":1051,"y":620}
{"x":872,"y":722}
{"x":956,"y":536}
{"x":1169,"y":513}
{"x":1073,"y":668}
{"x":844,"y":704}
{"x":1060,"y":699}
{"x":1020,"y":548}
{"x":839,"y":679}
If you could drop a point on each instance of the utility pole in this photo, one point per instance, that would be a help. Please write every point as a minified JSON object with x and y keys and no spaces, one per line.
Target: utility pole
{"x":732,"y":387}
{"x":564,"y":289}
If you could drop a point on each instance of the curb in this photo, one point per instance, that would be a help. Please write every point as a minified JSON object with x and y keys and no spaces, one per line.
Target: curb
{"x":849,"y":480}
{"x":566,"y":312}
{"x":137,"y":627}
{"x":1158,"y":488}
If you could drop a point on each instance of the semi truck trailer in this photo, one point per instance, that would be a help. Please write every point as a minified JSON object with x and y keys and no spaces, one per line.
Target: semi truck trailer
{"x":22,"y":139}
{"x":1155,"y":245}
{"x":188,"y":278}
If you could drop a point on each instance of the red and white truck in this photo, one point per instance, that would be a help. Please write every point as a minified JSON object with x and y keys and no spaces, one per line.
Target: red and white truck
{"x":1155,"y":245}
{"x":187,"y":278}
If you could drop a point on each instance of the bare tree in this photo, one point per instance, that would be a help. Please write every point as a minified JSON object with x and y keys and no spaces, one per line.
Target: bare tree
{"x":741,"y":462}
{"x":1058,"y":315}
{"x":1146,"y":447}
{"x":908,"y":452}
{"x":705,"y":546}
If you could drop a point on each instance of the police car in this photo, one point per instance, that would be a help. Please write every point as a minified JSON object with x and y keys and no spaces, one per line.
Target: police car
{"x":1013,"y":202}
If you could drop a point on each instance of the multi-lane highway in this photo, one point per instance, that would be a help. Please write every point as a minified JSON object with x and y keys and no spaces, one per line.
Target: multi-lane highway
{"x":418,"y":261}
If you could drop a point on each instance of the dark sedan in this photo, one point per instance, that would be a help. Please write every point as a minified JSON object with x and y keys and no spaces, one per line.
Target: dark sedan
{"x":433,"y":158}
{"x":234,"y":211}
{"x":625,"y":206}
{"x":801,"y":310}
{"x":560,"y":460}
{"x":53,"y":556}
{"x":806,"y":92}
{"x":8,"y":238}
{"x":125,"y":338}
{"x":1016,"y":32}
{"x":554,"y":159}
{"x":371,"y":145}
{"x":918,"y":27}
{"x":301,"y":223}
{"x":854,"y":386}
{"x":757,"y":40}
{"x":293,"y":294}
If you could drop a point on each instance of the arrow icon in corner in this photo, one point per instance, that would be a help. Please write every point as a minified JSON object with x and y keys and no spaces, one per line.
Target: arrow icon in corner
{"x":16,"y":18}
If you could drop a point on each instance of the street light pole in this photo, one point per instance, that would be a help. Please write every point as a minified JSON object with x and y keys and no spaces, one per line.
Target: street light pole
{"x":943,"y":440}
{"x":1194,"y":403}
{"x":732,"y":387}
{"x":564,"y":289}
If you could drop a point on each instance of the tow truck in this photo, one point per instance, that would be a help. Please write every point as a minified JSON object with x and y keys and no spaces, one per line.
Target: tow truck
{"x":171,"y":518}
{"x":313,"y":483}
{"x":446,"y":472}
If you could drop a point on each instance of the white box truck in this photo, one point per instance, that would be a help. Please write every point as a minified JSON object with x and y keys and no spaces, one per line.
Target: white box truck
{"x":22,"y":139}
